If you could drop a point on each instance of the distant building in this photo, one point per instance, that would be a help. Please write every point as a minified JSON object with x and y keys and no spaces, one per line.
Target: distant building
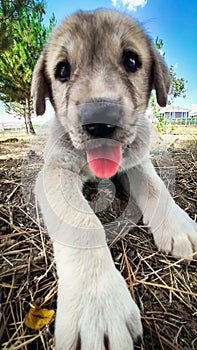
{"x":173,"y":112}
{"x":193,"y":113}
{"x":9,"y":121}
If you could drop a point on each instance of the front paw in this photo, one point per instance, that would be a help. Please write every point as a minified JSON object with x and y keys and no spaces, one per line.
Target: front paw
{"x":104,"y":317}
{"x":176,"y":234}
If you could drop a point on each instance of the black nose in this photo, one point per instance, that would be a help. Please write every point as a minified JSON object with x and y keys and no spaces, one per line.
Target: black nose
{"x":99,"y":129}
{"x":100,"y":118}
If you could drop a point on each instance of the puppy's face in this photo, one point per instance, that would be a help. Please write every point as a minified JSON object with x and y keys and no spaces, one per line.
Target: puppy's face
{"x":98,"y":71}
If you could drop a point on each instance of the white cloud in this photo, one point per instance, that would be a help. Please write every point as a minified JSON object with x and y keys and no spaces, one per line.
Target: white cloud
{"x":129,"y":4}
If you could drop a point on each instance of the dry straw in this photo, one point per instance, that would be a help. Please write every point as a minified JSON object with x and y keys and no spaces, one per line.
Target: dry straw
{"x":165,"y":289}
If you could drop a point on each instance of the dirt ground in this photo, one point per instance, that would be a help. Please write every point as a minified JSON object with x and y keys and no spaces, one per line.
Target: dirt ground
{"x":164,"y":288}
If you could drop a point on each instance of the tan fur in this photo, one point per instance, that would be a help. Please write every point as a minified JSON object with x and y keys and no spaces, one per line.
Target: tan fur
{"x":94,"y":305}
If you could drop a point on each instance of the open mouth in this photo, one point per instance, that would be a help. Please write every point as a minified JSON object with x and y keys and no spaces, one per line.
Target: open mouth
{"x":102,"y":124}
{"x":104,"y":160}
{"x":104,"y":154}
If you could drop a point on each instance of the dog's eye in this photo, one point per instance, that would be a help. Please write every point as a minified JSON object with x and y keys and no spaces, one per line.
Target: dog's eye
{"x":62,"y":71}
{"x":131,"y":61}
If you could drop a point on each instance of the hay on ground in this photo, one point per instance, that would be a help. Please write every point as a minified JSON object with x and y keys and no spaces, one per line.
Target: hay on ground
{"x":165,"y":289}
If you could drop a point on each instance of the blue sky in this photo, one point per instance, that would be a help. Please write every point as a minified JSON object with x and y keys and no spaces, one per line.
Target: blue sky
{"x":173,"y":21}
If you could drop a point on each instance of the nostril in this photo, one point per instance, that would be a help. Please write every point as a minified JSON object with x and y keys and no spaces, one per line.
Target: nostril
{"x":99,"y":129}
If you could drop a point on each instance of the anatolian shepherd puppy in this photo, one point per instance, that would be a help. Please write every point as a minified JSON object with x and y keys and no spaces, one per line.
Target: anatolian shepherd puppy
{"x":98,"y":70}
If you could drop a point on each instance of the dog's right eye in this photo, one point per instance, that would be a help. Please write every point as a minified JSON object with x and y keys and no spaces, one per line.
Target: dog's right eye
{"x":131,"y":61}
{"x":62,"y":71}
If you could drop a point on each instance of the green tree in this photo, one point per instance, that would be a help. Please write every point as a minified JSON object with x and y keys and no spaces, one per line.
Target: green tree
{"x":177,"y":89}
{"x":177,"y":84}
{"x":11,"y":11}
{"x":18,"y":61}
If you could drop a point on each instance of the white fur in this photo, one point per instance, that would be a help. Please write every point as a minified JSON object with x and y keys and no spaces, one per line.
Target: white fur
{"x":173,"y":230}
{"x":93,"y":300}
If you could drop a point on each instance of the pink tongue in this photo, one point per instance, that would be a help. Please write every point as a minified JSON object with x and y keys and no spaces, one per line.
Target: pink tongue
{"x":104,"y":161}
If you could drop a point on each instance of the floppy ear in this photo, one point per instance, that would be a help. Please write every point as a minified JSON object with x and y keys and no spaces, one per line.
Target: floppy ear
{"x":40,"y":87}
{"x":161,"y":78}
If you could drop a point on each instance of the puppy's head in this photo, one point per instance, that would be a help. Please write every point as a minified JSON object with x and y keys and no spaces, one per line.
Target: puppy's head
{"x":98,"y":70}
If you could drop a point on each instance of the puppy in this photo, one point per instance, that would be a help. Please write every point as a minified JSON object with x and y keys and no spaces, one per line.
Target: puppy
{"x":98,"y":70}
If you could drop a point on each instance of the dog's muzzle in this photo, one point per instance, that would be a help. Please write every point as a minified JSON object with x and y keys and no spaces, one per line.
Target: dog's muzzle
{"x":100,"y":119}
{"x":99,"y":129}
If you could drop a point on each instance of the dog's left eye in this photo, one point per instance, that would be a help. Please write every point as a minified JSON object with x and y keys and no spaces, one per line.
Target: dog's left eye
{"x":131,"y":61}
{"x":62,"y":71}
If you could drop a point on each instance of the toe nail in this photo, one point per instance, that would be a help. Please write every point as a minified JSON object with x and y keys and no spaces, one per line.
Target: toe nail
{"x":139,"y":340}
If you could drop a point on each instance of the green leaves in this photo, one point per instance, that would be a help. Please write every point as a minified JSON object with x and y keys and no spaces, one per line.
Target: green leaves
{"x":177,"y":89}
{"x":17,"y":62}
{"x":10,"y":12}
{"x":177,"y":86}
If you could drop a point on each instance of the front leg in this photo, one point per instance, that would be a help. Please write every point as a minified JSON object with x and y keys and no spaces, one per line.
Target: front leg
{"x":95,"y":307}
{"x":67,"y":215}
{"x":94,"y":310}
{"x":173,"y":230}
